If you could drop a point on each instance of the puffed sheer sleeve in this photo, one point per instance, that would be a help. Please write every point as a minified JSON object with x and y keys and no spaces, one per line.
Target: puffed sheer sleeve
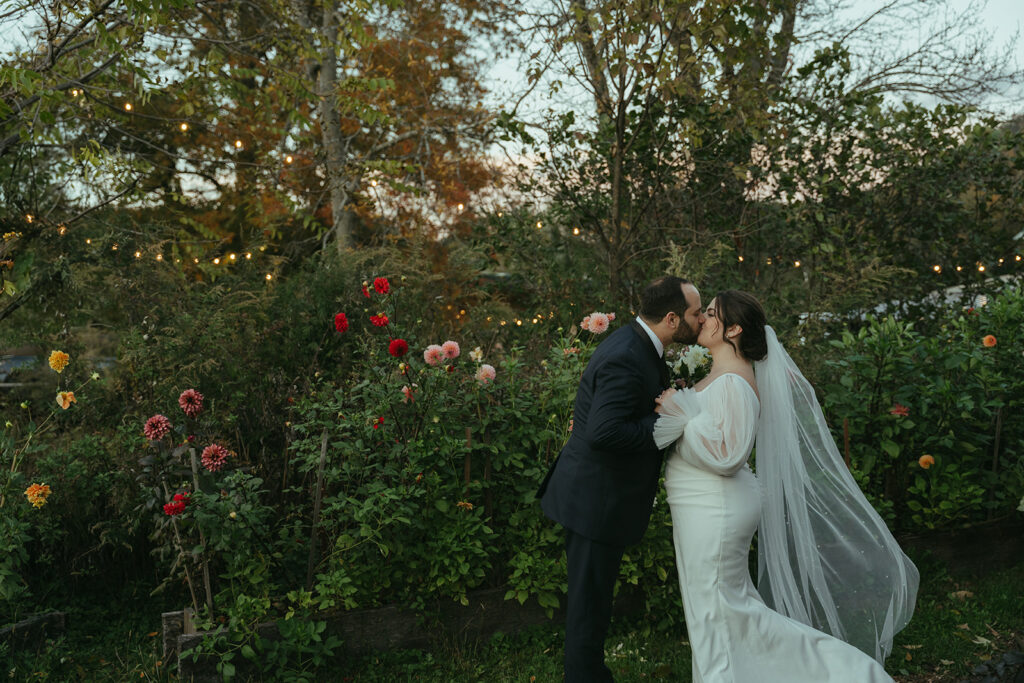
{"x":720,"y":437}
{"x":677,"y":411}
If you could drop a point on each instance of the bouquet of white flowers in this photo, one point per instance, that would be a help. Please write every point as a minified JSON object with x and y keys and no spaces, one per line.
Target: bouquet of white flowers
{"x":688,"y":365}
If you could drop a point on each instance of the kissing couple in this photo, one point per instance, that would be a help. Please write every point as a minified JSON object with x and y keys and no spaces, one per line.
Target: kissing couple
{"x":833,"y":585}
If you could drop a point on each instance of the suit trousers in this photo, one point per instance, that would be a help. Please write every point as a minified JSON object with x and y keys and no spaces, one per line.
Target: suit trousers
{"x":592,"y":569}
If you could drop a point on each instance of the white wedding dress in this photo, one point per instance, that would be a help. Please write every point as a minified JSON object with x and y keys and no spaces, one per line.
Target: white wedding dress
{"x":715,"y":501}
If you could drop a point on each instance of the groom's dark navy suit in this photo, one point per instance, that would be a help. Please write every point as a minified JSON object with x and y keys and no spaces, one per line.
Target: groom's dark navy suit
{"x":602,"y":486}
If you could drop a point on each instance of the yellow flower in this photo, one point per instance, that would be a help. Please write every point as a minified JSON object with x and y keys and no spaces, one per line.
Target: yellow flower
{"x":59,"y":360}
{"x":65,"y":399}
{"x":465,"y":505}
{"x":926,"y":461}
{"x":37,"y":494}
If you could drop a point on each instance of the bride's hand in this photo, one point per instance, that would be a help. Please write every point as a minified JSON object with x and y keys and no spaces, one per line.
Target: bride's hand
{"x":665,"y":395}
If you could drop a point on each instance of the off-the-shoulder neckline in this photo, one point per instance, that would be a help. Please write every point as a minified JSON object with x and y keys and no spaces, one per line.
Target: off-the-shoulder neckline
{"x":726,"y":374}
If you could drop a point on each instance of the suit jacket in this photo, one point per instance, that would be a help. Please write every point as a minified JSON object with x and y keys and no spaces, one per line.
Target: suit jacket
{"x":602,"y":484}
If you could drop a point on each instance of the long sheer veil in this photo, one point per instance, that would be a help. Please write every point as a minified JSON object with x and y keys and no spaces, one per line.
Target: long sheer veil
{"x":825,"y":557}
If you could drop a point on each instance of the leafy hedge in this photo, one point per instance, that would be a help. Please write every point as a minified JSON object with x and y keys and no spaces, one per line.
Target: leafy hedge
{"x":386,"y":477}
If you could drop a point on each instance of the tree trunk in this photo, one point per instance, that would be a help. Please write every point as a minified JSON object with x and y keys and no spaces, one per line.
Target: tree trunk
{"x":330,"y":127}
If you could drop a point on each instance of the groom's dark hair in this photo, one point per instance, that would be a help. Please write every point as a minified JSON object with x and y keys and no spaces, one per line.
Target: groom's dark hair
{"x":663,"y":296}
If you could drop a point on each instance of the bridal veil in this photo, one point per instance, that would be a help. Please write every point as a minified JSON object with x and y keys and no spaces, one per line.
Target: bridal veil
{"x":825,"y":556}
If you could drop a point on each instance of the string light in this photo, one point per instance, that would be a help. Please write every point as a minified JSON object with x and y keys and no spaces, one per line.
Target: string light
{"x":195,"y":260}
{"x":576,"y":231}
{"x":62,"y":230}
{"x":769,"y":261}
{"x":29,"y":218}
{"x":269,"y":276}
{"x":1017,"y":257}
{"x":741,"y":259}
{"x":74,"y":92}
{"x":232,"y":257}
{"x":216,"y":261}
{"x":114,"y":248}
{"x":373,"y":183}
{"x":937,"y":268}
{"x":138,"y":254}
{"x":159,"y":257}
{"x":959,"y":268}
{"x":981,"y":268}
{"x":238,"y":144}
{"x":248,"y":255}
{"x":288,"y":159}
{"x":796,"y":264}
{"x":539,"y":225}
{"x":461,"y":207}
{"x":184,"y":127}
{"x":127,"y":106}
{"x":88,"y":241}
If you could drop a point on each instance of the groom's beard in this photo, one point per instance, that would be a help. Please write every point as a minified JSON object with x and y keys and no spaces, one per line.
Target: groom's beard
{"x":685,"y":334}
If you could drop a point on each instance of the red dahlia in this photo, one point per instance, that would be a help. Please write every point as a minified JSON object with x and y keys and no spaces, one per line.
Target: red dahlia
{"x":156,"y":427}
{"x":214,"y":456}
{"x":382,"y":285}
{"x":398,"y":348}
{"x":341,"y":322}
{"x":176,"y":506}
{"x":379,"y":320}
{"x":191,"y":401}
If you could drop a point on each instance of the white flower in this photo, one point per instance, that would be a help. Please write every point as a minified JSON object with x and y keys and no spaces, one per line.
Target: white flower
{"x":696,"y":357}
{"x":1020,"y":508}
{"x":477,"y":354}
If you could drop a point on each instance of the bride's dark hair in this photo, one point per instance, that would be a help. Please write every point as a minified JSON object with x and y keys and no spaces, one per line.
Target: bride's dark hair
{"x":735,"y":307}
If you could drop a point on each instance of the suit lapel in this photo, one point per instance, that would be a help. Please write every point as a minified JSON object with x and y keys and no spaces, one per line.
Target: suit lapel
{"x":658,"y":360}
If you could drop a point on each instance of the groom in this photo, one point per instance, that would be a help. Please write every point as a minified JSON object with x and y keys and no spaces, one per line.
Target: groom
{"x":602,"y":486}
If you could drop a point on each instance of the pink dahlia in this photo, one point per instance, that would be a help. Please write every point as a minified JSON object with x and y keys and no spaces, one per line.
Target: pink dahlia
{"x":450,"y":349}
{"x":611,"y":317}
{"x":214,"y":456}
{"x":433,"y":354}
{"x":598,"y":323}
{"x":408,"y":394}
{"x":485,"y":374}
{"x":585,"y":323}
{"x":156,"y":427}
{"x":191,"y":401}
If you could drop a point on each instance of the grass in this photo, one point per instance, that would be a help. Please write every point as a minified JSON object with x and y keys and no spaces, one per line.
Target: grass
{"x":960,"y":623}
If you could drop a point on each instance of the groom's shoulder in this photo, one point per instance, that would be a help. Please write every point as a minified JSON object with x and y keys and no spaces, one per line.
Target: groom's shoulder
{"x":620,"y":341}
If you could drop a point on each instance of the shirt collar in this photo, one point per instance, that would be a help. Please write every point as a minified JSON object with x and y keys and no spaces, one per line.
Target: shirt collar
{"x":654,"y":338}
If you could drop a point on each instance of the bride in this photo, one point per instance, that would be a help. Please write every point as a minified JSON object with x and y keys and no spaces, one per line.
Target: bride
{"x":834,"y":586}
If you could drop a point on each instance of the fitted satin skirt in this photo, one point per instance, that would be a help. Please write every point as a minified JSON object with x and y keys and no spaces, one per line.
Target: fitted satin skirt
{"x":734,"y":635}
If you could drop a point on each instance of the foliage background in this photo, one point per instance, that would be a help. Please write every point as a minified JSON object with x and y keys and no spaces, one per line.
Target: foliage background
{"x":274,"y":158}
